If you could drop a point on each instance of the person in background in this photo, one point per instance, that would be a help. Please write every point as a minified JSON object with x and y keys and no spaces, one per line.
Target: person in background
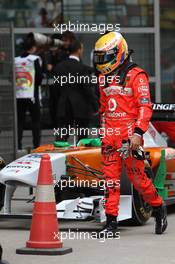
{"x":55,"y":56}
{"x":77,"y":100}
{"x":3,"y":58}
{"x":41,"y":20}
{"x":58,"y":54}
{"x":28,"y":68}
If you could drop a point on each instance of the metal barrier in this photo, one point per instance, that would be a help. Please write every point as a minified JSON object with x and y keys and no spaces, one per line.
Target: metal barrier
{"x":8,"y":119}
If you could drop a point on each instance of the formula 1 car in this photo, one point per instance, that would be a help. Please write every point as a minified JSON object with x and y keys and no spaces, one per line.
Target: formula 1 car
{"x":82,"y":163}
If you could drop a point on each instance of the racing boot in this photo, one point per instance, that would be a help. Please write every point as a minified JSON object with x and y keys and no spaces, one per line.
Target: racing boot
{"x":160,"y":214}
{"x":110,"y":230}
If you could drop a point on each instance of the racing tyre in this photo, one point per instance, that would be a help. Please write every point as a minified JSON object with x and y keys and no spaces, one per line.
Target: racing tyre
{"x":141,"y":211}
{"x":2,"y":186}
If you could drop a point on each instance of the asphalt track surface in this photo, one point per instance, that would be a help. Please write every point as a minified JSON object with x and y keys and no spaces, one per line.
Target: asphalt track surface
{"x":136,"y":245}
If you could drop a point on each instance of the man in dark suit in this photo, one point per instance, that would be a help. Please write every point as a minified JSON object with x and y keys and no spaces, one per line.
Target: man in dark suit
{"x":77,"y":100}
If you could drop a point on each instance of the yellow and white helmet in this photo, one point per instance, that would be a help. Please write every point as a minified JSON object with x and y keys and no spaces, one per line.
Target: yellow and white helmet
{"x":111,"y":50}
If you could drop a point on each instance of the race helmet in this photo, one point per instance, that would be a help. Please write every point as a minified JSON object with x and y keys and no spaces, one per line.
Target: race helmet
{"x":111,"y":50}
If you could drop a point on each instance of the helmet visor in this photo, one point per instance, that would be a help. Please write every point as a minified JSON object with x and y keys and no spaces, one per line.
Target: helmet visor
{"x":101,"y":57}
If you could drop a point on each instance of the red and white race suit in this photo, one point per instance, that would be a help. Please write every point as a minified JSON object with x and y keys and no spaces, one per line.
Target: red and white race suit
{"x":125,"y":110}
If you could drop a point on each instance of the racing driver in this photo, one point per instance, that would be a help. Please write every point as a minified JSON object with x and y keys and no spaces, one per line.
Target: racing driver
{"x":125,"y":109}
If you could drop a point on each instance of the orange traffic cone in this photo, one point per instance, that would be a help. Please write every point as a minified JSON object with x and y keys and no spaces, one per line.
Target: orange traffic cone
{"x":44,"y":234}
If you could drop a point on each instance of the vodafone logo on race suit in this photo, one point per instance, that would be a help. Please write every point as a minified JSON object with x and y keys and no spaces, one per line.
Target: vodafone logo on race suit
{"x":112,"y":104}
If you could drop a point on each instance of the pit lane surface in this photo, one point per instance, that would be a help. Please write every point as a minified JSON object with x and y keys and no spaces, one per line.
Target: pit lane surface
{"x":136,"y":244}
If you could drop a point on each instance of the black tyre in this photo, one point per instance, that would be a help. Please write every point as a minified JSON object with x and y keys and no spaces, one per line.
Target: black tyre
{"x":141,"y":211}
{"x":2,"y":186}
{"x":2,"y":194}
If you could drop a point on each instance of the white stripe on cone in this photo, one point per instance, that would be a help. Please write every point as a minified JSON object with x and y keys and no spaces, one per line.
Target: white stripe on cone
{"x":45,"y":194}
